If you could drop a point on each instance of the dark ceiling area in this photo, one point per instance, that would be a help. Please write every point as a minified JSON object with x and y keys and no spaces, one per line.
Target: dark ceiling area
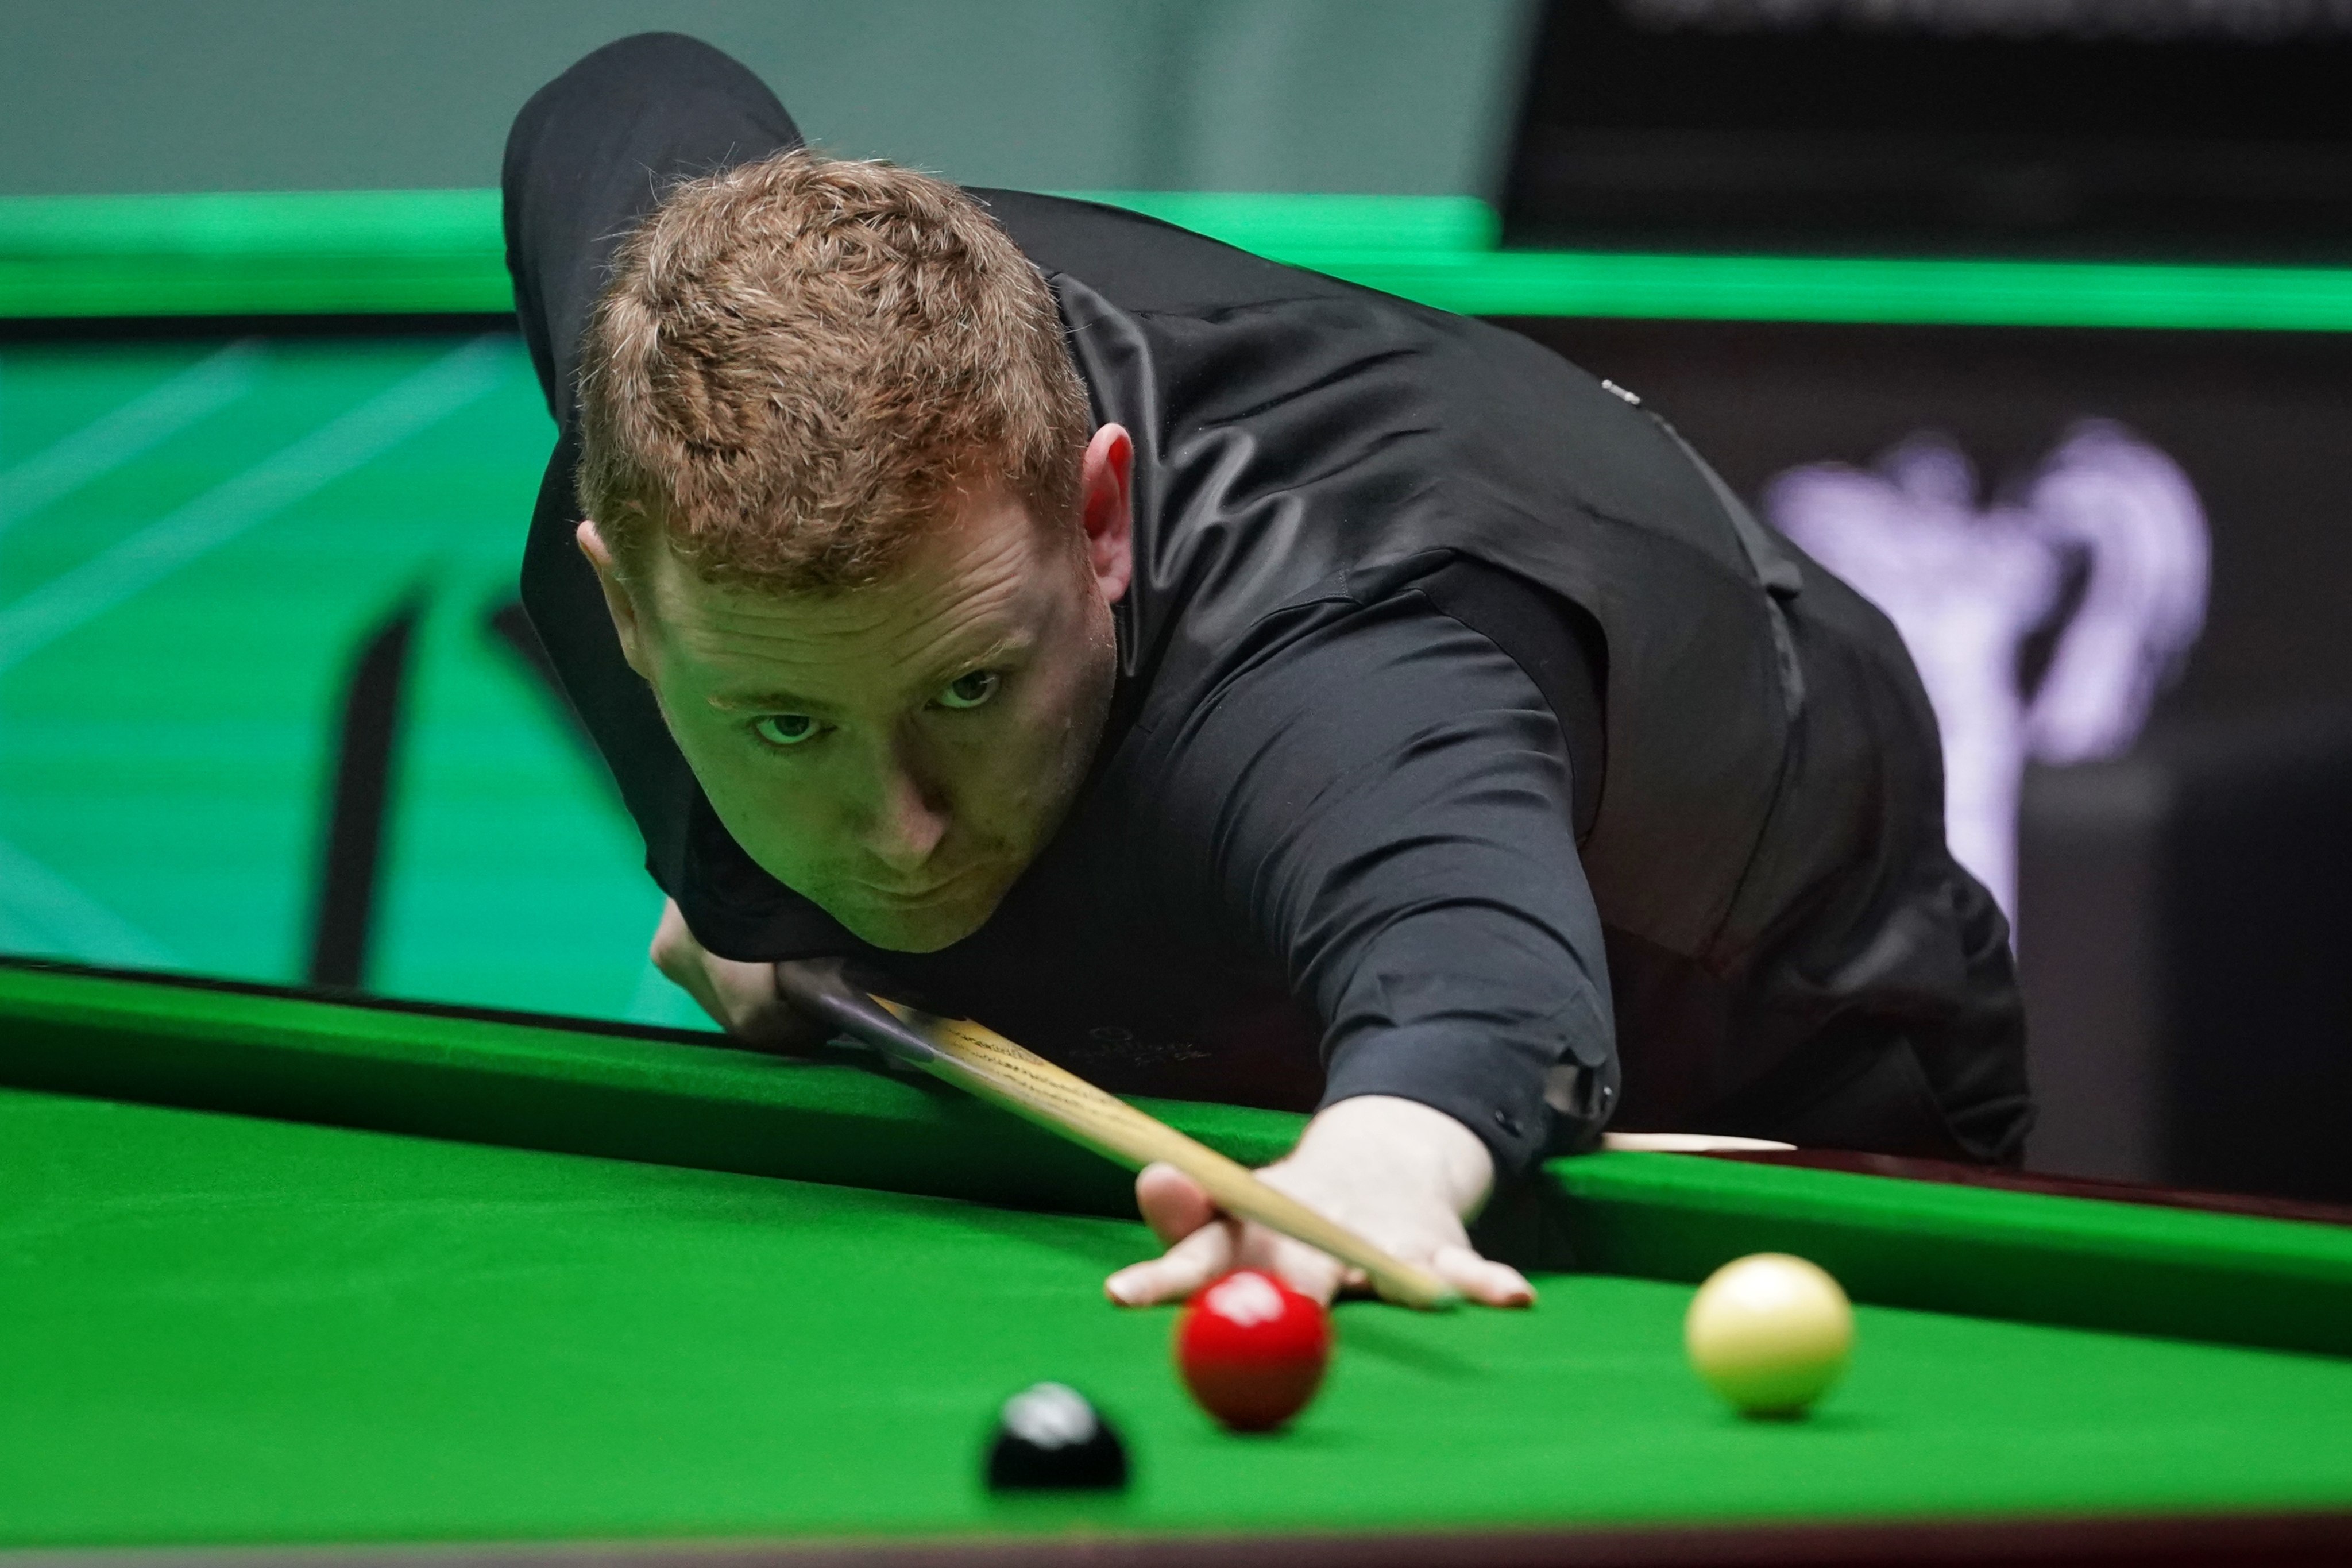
{"x":1664,"y":125}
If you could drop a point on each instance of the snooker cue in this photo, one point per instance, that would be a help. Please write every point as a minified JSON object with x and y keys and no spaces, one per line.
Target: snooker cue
{"x":979,"y":1060}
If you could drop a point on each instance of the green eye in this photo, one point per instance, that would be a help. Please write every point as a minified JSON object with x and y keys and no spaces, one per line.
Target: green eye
{"x":971,"y":690}
{"x":784,"y":729}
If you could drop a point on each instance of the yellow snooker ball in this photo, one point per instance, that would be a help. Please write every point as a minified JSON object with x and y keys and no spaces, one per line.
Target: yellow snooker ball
{"x":1769,"y":1333}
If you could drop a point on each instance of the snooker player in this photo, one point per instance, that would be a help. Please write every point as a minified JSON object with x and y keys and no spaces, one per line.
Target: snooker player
{"x":1226,"y":681}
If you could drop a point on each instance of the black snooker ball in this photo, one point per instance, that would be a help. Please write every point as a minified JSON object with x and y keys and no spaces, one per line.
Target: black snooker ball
{"x":1050,"y":1438}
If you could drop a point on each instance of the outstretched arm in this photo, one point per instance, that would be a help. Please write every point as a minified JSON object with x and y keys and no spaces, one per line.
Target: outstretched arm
{"x":1384,"y":801}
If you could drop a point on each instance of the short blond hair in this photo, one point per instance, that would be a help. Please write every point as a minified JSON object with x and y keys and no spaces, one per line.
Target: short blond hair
{"x":800,"y":363}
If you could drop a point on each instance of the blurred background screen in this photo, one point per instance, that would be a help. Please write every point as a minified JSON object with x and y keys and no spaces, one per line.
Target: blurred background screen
{"x":2119,"y":557}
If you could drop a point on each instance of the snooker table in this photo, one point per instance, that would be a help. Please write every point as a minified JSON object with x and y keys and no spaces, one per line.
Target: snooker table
{"x":355,"y":1281}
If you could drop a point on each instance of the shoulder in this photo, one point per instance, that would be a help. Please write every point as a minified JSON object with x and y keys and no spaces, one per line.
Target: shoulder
{"x":1141,"y":263}
{"x":1227,"y":335}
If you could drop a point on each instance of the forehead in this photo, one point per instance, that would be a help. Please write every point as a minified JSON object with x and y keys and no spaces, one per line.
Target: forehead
{"x":973,"y":583}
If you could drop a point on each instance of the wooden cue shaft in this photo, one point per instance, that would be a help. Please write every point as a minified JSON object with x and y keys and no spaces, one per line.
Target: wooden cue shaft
{"x":979,"y":1059}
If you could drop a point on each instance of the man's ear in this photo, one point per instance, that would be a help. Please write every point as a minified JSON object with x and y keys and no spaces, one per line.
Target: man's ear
{"x":1106,"y":510}
{"x":619,"y":602}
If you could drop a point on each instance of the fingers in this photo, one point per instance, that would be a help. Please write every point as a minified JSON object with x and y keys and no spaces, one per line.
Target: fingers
{"x":1203,"y":1246}
{"x":674,"y":951}
{"x":678,"y":957}
{"x":1480,"y":1279}
{"x":1172,"y":1203}
{"x":1214,"y":1248}
{"x":1175,"y":1274}
{"x":741,"y":998}
{"x":1297,"y":1265}
{"x":750,"y":1008}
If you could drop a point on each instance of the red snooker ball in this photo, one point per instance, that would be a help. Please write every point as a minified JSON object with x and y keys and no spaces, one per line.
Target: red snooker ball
{"x":1253,"y":1350}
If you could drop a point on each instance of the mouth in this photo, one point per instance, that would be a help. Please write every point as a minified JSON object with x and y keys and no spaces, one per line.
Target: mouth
{"x":915,"y":897}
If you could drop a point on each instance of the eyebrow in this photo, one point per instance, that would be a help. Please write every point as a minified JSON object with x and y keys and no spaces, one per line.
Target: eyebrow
{"x":781,"y":701}
{"x":769,"y":703}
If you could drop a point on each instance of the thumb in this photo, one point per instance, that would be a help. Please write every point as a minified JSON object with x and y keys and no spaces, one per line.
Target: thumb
{"x":1172,"y":1204}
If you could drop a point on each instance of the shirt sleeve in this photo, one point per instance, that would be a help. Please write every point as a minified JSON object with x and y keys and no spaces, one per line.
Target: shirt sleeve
{"x":1383,"y":796}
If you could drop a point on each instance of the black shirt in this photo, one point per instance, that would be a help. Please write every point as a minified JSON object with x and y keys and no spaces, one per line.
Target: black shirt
{"x":1465,"y":723}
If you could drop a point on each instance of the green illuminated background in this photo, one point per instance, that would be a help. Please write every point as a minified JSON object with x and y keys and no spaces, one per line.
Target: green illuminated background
{"x":192,"y":539}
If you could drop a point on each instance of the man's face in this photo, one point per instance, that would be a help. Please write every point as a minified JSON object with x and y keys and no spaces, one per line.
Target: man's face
{"x":896,"y":754}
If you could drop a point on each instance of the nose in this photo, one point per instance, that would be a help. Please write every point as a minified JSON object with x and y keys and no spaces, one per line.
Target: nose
{"x":910,"y":813}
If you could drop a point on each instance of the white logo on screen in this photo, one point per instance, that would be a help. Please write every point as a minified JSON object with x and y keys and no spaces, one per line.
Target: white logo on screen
{"x":1970,"y":584}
